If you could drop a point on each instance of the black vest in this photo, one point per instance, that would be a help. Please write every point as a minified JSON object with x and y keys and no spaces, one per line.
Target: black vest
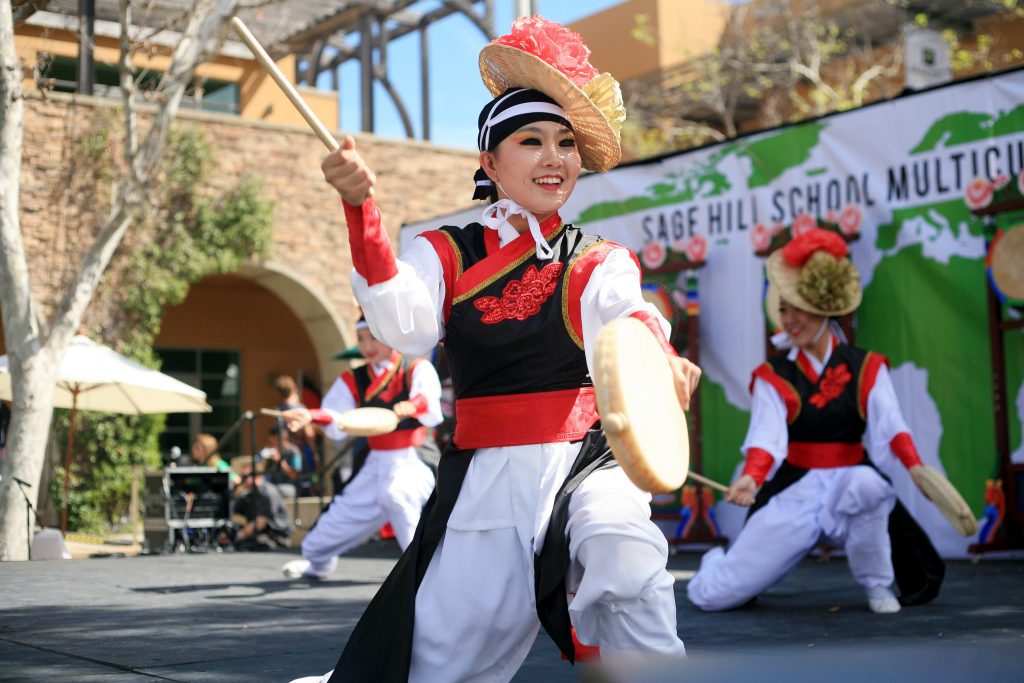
{"x":394,"y":391}
{"x":829,"y":408}
{"x":512,"y":335}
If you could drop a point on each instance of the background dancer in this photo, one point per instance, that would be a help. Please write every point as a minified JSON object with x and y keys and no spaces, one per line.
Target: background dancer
{"x":530,"y":507}
{"x":811,"y":408}
{"x":393,"y":484}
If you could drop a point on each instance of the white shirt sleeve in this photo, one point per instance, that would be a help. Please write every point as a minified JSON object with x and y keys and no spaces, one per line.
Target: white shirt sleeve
{"x":426,"y":383}
{"x":337,"y":400}
{"x":406,"y":312}
{"x":768,"y":426}
{"x":613,"y":291}
{"x":884,"y":420}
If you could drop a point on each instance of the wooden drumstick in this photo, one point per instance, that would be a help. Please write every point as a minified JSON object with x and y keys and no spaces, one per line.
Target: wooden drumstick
{"x":271,"y":413}
{"x":289,"y":90}
{"x":710,"y":483}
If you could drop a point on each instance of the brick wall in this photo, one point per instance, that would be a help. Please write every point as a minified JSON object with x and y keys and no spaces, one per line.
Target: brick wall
{"x":310,"y":236}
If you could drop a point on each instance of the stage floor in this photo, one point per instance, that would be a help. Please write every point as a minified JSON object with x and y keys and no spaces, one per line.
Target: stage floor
{"x":232,"y":617}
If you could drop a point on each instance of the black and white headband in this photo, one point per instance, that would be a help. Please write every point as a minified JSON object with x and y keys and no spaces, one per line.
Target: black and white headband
{"x":504,"y":115}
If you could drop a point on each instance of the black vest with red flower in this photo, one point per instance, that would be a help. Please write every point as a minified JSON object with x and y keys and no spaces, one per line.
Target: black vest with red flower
{"x":384,"y":391}
{"x":826,"y":414}
{"x":513,"y":334}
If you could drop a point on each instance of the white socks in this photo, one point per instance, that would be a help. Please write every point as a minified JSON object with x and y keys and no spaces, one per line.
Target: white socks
{"x":882,"y":601}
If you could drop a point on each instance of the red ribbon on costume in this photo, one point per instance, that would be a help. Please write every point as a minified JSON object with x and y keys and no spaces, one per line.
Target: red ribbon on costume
{"x":902,"y":446}
{"x":403,"y":438}
{"x":371,"y":250}
{"x":521,"y":419}
{"x":651,"y":321}
{"x":810,"y":455}
{"x":759,"y":464}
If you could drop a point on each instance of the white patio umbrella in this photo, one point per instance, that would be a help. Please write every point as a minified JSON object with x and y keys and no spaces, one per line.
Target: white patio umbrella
{"x":95,"y":377}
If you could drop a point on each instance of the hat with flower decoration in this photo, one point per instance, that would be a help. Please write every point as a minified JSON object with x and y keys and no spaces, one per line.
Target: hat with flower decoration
{"x":545,"y":56}
{"x":814,"y":273}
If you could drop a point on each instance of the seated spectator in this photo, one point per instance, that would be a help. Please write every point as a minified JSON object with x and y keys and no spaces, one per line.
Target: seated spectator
{"x":267,"y":525}
{"x":204,"y":454}
{"x":304,"y":438}
{"x":283,"y":471}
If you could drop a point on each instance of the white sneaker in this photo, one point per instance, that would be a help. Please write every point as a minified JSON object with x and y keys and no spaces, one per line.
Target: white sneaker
{"x":882,"y":601}
{"x":297,"y":569}
{"x":315,"y":679}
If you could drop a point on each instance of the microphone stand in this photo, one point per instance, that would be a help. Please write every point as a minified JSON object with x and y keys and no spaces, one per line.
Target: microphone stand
{"x":29,"y":510}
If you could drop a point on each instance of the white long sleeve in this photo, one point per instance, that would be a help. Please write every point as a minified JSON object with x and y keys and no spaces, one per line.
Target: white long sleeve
{"x":337,"y":400}
{"x":769,"y":429}
{"x":405,"y":312}
{"x":885,"y":420}
{"x":613,"y":291}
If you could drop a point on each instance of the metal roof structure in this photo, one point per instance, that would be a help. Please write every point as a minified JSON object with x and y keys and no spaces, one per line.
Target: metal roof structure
{"x":323,"y":34}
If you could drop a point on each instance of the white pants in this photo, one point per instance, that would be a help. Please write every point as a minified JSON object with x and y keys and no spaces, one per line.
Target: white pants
{"x":392,"y":486}
{"x":476,"y":615}
{"x":848,"y":506}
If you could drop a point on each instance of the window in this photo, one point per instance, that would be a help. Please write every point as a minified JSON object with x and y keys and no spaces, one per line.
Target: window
{"x":205,"y":94}
{"x":217,"y":372}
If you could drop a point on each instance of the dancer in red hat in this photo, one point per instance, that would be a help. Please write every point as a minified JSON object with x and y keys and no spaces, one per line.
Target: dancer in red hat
{"x":812,"y":408}
{"x":531,"y":524}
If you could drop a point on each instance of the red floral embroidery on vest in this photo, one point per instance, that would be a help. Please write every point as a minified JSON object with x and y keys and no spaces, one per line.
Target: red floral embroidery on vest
{"x":831,"y":385}
{"x":521,"y":298}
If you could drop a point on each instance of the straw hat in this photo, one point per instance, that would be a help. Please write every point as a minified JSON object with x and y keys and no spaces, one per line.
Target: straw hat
{"x":813,"y":272}
{"x":548,"y":57}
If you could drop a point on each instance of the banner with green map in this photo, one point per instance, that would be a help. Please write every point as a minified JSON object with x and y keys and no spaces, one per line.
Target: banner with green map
{"x":894,"y":173}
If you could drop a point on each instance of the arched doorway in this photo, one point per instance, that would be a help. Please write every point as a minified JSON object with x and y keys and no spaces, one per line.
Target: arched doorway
{"x":233,"y":335}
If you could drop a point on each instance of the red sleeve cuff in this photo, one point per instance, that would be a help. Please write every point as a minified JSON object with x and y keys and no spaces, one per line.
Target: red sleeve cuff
{"x":371,"y":250}
{"x":759,"y":464}
{"x":419,"y":402}
{"x":651,"y":321}
{"x":903,"y":447}
{"x":321,"y":417}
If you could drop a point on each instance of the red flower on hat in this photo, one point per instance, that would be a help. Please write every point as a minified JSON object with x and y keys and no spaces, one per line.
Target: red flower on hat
{"x":558,"y":46}
{"x":521,"y":298}
{"x":799,"y":249}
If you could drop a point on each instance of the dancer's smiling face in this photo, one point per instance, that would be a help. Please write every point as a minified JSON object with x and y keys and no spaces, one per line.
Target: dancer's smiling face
{"x":373,"y":351}
{"x":802,"y":326}
{"x":536,"y":166}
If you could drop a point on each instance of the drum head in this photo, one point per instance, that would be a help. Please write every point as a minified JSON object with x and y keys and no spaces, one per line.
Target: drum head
{"x":368,"y":421}
{"x":1006,"y":264}
{"x":948,"y":500}
{"x":640,"y":412}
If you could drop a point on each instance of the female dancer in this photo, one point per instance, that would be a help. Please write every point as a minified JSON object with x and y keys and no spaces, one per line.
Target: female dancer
{"x":811,"y":408}
{"x":531,"y":522}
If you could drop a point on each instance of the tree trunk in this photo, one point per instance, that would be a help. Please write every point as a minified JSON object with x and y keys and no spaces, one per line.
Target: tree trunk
{"x":26,"y":447}
{"x":34,"y":355}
